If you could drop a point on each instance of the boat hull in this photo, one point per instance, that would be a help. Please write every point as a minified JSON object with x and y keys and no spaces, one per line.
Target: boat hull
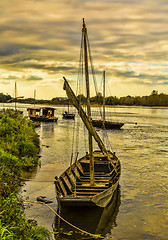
{"x":101,"y":200}
{"x":68,"y":116}
{"x":73,"y":186}
{"x":94,"y":220}
{"x":43,"y":119}
{"x":107,"y":124}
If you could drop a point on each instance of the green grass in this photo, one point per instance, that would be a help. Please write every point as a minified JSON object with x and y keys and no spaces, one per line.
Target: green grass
{"x":19,"y":149}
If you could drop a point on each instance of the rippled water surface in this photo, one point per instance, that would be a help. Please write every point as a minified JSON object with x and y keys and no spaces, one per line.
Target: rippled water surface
{"x":142,"y":147}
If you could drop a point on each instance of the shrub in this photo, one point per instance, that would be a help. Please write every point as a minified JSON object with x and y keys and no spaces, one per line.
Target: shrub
{"x":19,"y":148}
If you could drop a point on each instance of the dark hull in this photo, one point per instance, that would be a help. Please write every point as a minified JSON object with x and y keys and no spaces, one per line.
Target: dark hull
{"x":107,"y":124}
{"x":73,"y":186}
{"x":95,"y":220}
{"x":68,"y":116}
{"x":44,"y":119}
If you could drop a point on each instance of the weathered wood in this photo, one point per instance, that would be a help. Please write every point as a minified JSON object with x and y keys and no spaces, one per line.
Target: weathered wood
{"x":67,"y":184}
{"x":99,"y":195}
{"x":80,"y":169}
{"x":76,"y":173}
{"x":62,"y":187}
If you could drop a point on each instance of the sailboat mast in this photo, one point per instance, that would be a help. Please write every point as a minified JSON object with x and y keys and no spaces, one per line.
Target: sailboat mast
{"x":68,"y":106}
{"x":15,"y":96}
{"x":104,"y":97}
{"x":34,"y":97}
{"x":84,"y":31}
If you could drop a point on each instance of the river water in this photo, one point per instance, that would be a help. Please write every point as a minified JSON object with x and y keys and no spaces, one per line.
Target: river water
{"x":142,"y":147}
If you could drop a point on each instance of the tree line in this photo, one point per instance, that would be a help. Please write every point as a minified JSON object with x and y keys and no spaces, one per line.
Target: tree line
{"x":154,"y":99}
{"x":4,"y":97}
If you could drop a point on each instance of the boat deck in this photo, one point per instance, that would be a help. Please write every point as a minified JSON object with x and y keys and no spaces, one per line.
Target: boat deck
{"x":74,"y":183}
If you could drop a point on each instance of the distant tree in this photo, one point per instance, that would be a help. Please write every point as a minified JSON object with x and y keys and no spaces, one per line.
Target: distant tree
{"x":163,"y":99}
{"x":154,"y":92}
{"x":4,"y":98}
{"x":97,"y":99}
{"x":81,"y":98}
{"x":112,"y":101}
{"x":144,"y":101}
{"x":153,"y":99}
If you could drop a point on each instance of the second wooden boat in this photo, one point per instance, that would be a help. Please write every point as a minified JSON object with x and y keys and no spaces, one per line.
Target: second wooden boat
{"x":103,"y":123}
{"x":68,"y":115}
{"x":42,"y":114}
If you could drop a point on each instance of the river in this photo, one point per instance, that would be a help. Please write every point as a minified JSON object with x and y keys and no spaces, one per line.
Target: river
{"x":142,"y":147}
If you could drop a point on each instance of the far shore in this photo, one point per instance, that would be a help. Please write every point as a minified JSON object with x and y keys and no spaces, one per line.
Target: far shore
{"x":84,"y":105}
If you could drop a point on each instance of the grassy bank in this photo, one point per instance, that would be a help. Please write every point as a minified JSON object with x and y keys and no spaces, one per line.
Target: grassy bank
{"x":19,"y":148}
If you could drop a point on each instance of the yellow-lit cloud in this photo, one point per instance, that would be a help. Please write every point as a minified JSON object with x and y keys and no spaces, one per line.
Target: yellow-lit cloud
{"x":40,"y":42}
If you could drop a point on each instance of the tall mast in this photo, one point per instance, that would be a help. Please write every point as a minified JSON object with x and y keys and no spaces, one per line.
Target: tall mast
{"x":34,"y":97}
{"x":103,"y":98}
{"x":68,"y":106}
{"x":15,"y":96}
{"x":84,"y":31}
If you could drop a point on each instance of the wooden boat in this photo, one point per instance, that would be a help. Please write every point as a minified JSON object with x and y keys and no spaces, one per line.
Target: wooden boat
{"x":104,"y":123}
{"x":92,"y":179}
{"x":42,"y":114}
{"x":67,"y":114}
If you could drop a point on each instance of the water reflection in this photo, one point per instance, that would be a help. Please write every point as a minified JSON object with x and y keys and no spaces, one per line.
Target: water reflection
{"x":48,"y":128}
{"x":94,"y":220}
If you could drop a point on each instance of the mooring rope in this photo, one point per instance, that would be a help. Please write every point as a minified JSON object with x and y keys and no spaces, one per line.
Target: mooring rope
{"x":83,"y":231}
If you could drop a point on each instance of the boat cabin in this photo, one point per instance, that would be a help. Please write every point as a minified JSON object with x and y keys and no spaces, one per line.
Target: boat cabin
{"x":44,"y":114}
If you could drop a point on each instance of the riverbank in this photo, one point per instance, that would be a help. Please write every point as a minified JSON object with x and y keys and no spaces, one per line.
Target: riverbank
{"x":19,"y":152}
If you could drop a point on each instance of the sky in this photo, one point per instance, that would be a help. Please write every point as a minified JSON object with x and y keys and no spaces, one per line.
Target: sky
{"x":40,"y":43}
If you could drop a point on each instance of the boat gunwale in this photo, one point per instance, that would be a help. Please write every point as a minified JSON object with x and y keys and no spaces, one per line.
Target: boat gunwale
{"x":90,"y":199}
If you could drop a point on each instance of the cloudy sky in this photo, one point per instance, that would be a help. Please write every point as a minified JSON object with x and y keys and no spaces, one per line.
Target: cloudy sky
{"x":40,"y":43}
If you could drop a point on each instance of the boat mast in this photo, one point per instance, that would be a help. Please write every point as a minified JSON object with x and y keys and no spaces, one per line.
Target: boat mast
{"x":34,"y":97}
{"x":15,"y":96}
{"x":103,"y":98}
{"x":68,"y":106}
{"x":84,"y":31}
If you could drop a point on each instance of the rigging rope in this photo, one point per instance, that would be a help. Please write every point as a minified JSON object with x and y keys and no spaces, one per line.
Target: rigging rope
{"x":92,"y":68}
{"x":93,"y":72}
{"x":76,"y":123}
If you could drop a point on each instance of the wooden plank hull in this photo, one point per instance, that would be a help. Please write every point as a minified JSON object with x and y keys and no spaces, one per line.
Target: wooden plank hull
{"x":95,"y":220}
{"x":43,"y":119}
{"x":100,"y":200}
{"x":107,"y":124}
{"x":73,"y":186}
{"x":68,"y":116}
